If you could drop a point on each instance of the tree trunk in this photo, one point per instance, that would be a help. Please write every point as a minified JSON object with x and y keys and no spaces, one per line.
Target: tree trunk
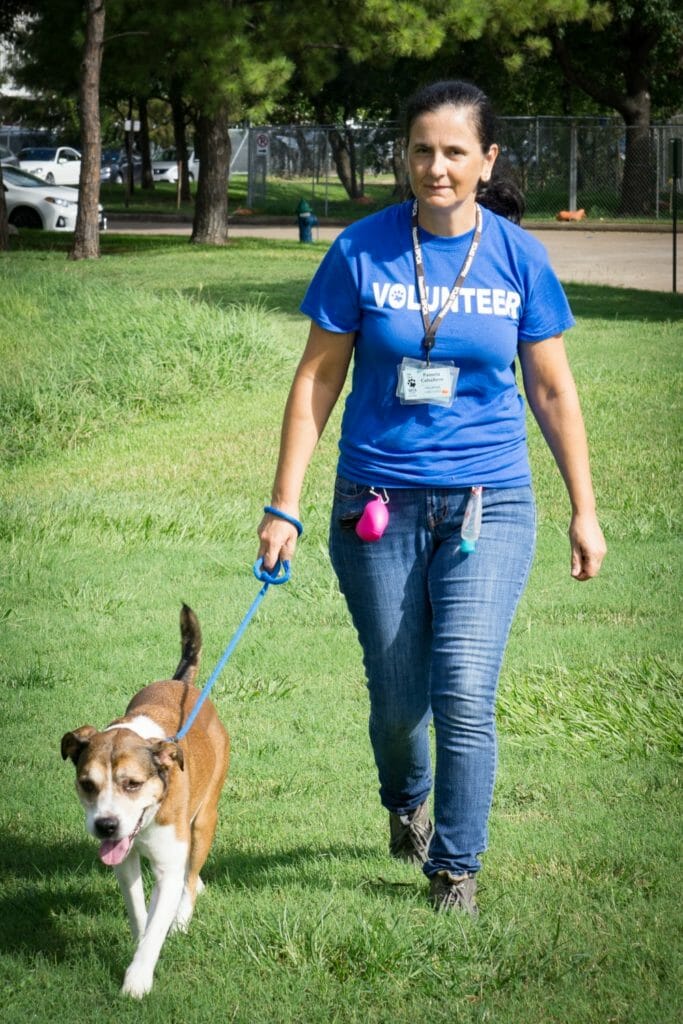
{"x":212,"y":145}
{"x":180,"y":138}
{"x":398,"y":163}
{"x":130,"y":177}
{"x":635,"y":41}
{"x":86,"y":244}
{"x":147,"y":176}
{"x":638,"y":182}
{"x":307,"y":164}
{"x":344,"y":155}
{"x":4,"y":226}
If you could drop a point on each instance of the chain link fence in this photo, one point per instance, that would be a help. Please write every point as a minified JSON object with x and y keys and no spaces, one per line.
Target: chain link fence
{"x":594,"y":164}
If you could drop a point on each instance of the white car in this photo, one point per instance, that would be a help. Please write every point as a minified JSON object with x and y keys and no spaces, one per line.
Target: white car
{"x":166,"y":167}
{"x":58,"y":165}
{"x":32,"y":203}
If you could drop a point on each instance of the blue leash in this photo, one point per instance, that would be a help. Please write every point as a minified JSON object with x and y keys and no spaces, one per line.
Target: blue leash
{"x":275,"y":577}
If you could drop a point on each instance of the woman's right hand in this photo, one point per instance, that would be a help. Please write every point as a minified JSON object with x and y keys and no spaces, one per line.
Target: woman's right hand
{"x":278,"y":541}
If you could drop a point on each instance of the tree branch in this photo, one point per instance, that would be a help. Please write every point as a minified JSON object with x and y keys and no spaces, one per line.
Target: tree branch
{"x":604,"y":94}
{"x":120,"y":35}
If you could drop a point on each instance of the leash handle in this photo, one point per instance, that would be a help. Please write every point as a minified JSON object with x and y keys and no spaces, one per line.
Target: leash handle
{"x":280,"y":572}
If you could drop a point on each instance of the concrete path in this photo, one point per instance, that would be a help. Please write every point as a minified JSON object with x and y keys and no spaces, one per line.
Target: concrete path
{"x":627,"y":259}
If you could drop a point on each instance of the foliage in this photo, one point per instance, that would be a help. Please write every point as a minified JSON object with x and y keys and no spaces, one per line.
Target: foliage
{"x":42,"y":66}
{"x":627,"y":47}
{"x":366,"y":53}
{"x":345,"y":60}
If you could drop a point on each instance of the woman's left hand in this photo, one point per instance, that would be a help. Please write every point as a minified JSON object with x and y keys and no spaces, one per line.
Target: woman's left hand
{"x":587,"y":545}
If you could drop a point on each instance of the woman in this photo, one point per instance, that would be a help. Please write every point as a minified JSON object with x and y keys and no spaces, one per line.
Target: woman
{"x":436,"y":299}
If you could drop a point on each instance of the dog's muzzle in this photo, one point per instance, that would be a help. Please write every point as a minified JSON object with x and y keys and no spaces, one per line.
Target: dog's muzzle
{"x":105,"y":828}
{"x":114,"y":851}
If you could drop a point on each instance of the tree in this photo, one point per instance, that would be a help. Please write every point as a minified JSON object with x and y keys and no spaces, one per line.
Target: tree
{"x":345,"y":52}
{"x":625,"y":55}
{"x":356,"y":92}
{"x":182,"y":116}
{"x":631,"y":63}
{"x":232,"y":61}
{"x":369,"y":54}
{"x":231,"y":67}
{"x":86,"y":244}
{"x":10,"y":12}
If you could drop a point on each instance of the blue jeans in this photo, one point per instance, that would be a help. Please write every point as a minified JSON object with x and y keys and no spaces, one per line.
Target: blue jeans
{"x":433,"y":624}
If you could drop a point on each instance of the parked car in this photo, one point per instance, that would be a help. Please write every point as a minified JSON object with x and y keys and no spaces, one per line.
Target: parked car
{"x":7,"y":157}
{"x":32,"y":203}
{"x":58,"y":165}
{"x":114,"y":166}
{"x":110,"y":165}
{"x":166,"y":167}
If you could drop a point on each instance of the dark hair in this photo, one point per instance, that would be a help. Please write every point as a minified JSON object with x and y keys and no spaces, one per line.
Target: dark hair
{"x":454,"y":94}
{"x":500,"y":195}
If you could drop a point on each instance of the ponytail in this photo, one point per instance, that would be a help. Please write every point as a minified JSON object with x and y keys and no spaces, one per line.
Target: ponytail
{"x":502,"y":196}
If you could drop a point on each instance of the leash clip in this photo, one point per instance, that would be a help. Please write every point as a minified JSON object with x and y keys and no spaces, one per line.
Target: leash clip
{"x":279,"y":574}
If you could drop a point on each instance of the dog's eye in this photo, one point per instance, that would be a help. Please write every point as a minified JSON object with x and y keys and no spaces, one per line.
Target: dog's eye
{"x":87,"y":785}
{"x":131,"y":785}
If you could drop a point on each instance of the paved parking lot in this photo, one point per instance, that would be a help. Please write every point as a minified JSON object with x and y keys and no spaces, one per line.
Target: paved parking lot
{"x":627,"y":259}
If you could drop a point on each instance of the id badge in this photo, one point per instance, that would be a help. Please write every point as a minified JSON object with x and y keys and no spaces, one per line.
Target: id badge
{"x":420,"y":383}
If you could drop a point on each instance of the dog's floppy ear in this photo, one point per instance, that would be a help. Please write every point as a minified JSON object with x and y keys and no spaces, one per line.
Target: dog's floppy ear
{"x":167,"y":753}
{"x":74,"y":742}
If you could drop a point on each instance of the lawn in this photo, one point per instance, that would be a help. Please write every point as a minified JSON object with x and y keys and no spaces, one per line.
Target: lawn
{"x":140,"y":400}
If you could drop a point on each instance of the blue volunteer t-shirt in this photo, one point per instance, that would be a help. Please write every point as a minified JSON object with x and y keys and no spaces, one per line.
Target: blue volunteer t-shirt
{"x":366,"y":284}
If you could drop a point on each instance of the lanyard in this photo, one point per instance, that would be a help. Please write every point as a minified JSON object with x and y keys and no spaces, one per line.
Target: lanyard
{"x":432,"y":328}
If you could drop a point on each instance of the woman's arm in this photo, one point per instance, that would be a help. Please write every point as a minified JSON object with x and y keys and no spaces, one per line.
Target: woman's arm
{"x":553,"y":399}
{"x":315,"y":389}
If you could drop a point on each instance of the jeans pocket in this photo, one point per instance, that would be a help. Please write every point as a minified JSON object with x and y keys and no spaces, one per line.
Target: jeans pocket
{"x":350,"y":500}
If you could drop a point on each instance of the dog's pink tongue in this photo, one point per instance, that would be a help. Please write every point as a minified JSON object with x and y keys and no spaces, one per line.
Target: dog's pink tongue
{"x":113,"y":851}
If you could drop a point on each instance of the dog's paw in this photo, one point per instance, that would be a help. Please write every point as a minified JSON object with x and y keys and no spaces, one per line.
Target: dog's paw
{"x":137,"y":982}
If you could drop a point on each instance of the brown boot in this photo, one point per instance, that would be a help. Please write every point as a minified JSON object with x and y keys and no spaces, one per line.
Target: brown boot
{"x":411,"y":835}
{"x":453,"y":892}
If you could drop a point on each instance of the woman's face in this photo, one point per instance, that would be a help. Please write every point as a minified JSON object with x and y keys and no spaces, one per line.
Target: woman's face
{"x":446,"y":160}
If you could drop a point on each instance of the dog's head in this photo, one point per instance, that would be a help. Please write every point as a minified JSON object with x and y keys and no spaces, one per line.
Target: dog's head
{"x":121,"y":780}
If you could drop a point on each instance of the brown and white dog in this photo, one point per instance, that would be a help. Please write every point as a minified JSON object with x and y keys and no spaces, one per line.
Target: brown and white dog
{"x":145,"y":794}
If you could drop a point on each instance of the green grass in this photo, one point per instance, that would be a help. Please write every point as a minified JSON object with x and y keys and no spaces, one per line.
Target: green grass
{"x":140,"y":398}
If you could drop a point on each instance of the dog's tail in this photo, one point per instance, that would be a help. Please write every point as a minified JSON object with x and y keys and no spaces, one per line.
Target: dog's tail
{"x":191,"y":646}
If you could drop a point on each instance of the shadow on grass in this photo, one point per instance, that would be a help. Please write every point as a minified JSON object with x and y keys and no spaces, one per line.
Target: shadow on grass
{"x":588,"y":301}
{"x":258,"y":871}
{"x":282,"y":297}
{"x":45,"y":885}
{"x":50,"y":887}
{"x":591,"y":301}
{"x":28,"y":240}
